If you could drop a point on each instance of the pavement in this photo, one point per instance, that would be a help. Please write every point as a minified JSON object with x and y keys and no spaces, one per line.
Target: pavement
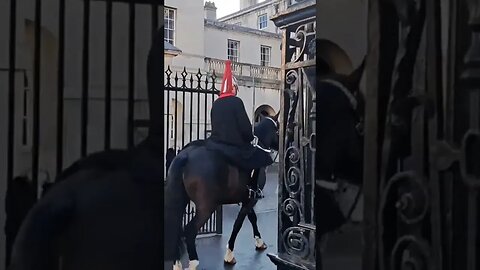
{"x":211,"y":249}
{"x":342,"y":252}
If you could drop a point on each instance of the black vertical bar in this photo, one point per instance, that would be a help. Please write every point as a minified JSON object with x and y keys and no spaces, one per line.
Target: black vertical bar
{"x":205,"y":110}
{"x":176,"y":120}
{"x":191,"y":112}
{"x":85,"y":64}
{"x":198,"y":115}
{"x":60,"y":83}
{"x":154,"y":19}
{"x":219,"y":218}
{"x":11,"y":90}
{"x":131,"y":72}
{"x":168,"y":117}
{"x":36,"y":94}
{"x":183,"y":117}
{"x":108,"y":76}
{"x":213,"y":93}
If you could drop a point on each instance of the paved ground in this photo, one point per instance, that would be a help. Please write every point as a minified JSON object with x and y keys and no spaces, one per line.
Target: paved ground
{"x":212,"y":249}
{"x":343,"y":251}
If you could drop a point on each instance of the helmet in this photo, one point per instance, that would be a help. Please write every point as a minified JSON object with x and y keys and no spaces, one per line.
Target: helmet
{"x":229,"y":82}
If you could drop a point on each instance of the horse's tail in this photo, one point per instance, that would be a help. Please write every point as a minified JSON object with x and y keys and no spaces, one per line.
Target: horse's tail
{"x":176,"y":200}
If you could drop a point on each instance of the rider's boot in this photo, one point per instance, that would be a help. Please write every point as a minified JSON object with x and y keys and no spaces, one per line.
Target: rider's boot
{"x":255,"y":192}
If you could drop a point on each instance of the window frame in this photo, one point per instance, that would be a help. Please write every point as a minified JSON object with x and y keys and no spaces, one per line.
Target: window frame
{"x":264,"y":63}
{"x":259,"y":22}
{"x":167,"y":26}
{"x":237,"y":49}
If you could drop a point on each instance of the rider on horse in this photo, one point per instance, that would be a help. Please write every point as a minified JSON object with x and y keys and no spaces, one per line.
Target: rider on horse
{"x":232,"y":129}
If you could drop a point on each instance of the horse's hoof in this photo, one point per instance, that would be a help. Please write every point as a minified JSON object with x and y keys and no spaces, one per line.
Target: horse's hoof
{"x":232,"y":262}
{"x":193,"y":265}
{"x":229,"y":258}
{"x":262,"y":247}
{"x":259,"y":244}
{"x":177,"y":266}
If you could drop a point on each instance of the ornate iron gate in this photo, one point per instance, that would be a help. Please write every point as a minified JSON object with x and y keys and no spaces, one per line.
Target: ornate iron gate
{"x":188,"y":99}
{"x":296,"y":235}
{"x":422,"y":180}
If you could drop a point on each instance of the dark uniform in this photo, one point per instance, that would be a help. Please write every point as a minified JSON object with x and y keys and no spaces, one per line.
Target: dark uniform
{"x":232,"y":134}
{"x":230,"y":123}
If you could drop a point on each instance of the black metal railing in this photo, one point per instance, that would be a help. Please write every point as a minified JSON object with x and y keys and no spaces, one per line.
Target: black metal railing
{"x":72,"y":137}
{"x":188,"y":101}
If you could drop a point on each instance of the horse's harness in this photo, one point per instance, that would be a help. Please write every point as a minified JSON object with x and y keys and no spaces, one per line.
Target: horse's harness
{"x":330,"y":185}
{"x":258,"y":144}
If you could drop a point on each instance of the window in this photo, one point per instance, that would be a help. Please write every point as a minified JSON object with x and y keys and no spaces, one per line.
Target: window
{"x":233,"y":50}
{"x":262,"y":21}
{"x":265,"y":55}
{"x":169,"y":17}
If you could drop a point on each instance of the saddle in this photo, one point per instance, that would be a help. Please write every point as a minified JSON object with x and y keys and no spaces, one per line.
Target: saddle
{"x":246,"y":158}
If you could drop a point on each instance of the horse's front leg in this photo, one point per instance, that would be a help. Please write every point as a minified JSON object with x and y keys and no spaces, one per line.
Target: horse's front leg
{"x":229,"y":257}
{"x":259,"y":243}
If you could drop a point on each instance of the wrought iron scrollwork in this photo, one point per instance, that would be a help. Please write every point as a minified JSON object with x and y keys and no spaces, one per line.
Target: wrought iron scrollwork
{"x":296,"y":224}
{"x":303,"y":38}
{"x":410,"y":195}
{"x":296,"y":241}
{"x":410,"y":252}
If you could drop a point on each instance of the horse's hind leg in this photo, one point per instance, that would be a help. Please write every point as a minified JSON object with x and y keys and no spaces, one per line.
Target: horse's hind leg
{"x":178,"y":254}
{"x":191,"y":230}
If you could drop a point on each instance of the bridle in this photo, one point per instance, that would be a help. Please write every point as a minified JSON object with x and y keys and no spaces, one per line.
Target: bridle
{"x":258,"y":144}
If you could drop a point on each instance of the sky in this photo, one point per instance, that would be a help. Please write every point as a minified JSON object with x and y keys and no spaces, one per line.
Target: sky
{"x":225,"y":7}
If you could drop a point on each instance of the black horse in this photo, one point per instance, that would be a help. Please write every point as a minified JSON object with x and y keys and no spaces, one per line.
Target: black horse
{"x":105,"y":211}
{"x":339,"y":155}
{"x":209,"y":179}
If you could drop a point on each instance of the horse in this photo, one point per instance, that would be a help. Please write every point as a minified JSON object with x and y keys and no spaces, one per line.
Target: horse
{"x":339,"y":156}
{"x":104,"y":211}
{"x":208,"y":179}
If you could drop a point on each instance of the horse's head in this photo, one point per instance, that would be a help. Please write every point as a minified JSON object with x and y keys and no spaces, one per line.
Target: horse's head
{"x":340,"y":111}
{"x":267,"y":132}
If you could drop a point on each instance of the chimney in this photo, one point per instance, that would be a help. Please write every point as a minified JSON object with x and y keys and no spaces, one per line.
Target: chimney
{"x":210,"y":11}
{"x":247,"y":3}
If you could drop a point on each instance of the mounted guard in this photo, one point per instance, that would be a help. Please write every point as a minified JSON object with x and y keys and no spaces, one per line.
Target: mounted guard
{"x":232,"y":132}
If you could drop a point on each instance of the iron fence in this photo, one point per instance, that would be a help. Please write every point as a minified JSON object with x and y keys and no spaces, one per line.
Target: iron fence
{"x":188,"y":100}
{"x":42,"y":139}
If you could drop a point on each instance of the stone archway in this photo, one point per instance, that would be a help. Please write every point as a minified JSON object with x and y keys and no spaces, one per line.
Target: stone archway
{"x":265,"y":110}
